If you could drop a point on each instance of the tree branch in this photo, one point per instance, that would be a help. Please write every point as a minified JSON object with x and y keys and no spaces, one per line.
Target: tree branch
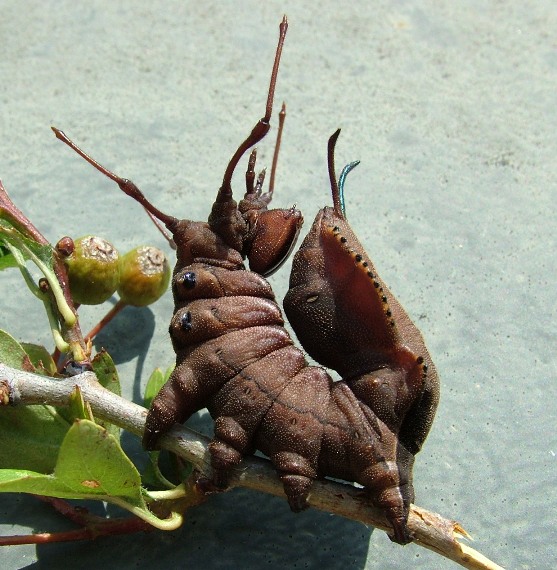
{"x":430,"y":530}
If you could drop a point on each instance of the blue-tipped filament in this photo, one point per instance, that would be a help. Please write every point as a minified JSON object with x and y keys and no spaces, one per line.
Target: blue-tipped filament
{"x":341,"y":180}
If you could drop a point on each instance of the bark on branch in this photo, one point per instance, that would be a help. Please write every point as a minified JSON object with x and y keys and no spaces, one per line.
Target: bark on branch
{"x":430,"y":530}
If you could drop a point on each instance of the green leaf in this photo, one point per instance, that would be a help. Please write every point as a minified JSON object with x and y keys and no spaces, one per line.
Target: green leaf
{"x":6,"y":258}
{"x":30,"y":437}
{"x":40,"y":357}
{"x":12,"y":353}
{"x":91,"y":465}
{"x":91,"y":462}
{"x":155,"y":383}
{"x":78,"y":408}
{"x":27,"y":246}
{"x":105,"y":369}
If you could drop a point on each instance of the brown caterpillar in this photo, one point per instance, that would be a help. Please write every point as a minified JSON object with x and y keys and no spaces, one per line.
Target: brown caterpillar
{"x":234,"y":356}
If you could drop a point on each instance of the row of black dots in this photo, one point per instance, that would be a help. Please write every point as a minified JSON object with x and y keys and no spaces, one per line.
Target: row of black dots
{"x":359,"y":259}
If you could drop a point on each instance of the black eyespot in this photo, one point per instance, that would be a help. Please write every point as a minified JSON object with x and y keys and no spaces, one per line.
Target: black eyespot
{"x":343,"y":239}
{"x":358,"y":258}
{"x":189,"y":280}
{"x":185,"y":321}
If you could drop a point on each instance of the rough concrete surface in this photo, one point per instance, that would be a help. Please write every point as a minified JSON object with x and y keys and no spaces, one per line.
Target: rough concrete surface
{"x":451,"y":109}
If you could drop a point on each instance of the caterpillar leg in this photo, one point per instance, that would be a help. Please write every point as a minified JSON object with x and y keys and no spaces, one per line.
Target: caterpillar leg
{"x":229,"y":445}
{"x":297,"y":488}
{"x":176,"y":401}
{"x":163,"y":414}
{"x":297,"y":476}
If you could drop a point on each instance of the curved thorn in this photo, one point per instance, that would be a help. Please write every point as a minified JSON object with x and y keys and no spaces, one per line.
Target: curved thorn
{"x":332,"y":176}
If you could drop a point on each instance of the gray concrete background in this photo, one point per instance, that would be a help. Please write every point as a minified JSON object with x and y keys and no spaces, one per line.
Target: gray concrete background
{"x":451,"y":109}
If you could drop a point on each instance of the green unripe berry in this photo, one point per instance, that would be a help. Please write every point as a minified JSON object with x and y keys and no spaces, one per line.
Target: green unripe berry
{"x":93,"y":270}
{"x":144,"y":276}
